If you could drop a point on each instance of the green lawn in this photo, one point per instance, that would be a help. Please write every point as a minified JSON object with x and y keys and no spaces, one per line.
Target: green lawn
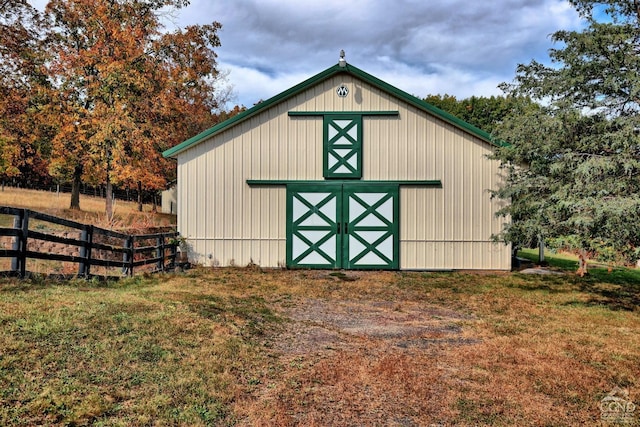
{"x":134,"y":352}
{"x":597,"y":272}
{"x":556,"y":260}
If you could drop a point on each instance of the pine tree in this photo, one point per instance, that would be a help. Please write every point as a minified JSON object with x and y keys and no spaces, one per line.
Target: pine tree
{"x":572,"y":170}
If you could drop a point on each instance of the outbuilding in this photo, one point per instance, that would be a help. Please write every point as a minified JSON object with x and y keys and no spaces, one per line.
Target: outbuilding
{"x":342,"y":171}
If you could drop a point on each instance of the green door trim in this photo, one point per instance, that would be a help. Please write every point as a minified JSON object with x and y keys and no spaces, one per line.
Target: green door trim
{"x":287,"y":182}
{"x":296,"y":227}
{"x":347,"y":231}
{"x":386,"y":227}
{"x":315,"y":246}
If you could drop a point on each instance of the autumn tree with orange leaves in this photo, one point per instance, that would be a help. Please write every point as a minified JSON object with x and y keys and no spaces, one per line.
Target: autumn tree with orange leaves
{"x":123,"y":91}
{"x":24,"y":136}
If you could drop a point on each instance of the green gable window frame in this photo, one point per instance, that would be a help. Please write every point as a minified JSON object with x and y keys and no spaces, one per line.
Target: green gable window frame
{"x":342,"y":141}
{"x":342,"y":146}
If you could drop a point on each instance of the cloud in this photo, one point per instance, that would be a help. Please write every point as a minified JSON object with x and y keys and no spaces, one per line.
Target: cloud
{"x":458,"y":47}
{"x":441,"y":46}
{"x":258,"y":85}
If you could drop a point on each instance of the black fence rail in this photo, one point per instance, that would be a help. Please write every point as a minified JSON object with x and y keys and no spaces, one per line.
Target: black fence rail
{"x":85,"y":245}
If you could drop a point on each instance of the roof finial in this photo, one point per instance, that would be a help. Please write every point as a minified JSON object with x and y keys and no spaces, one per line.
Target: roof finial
{"x":342,"y":62}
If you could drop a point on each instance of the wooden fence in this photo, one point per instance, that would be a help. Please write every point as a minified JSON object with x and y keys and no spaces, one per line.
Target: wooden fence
{"x":88,"y":246}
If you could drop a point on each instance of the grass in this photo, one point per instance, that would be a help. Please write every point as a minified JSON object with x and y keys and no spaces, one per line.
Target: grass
{"x":205,"y":348}
{"x":135,"y":352}
{"x":617,"y":276}
{"x":223,"y":346}
{"x":562,"y":261}
{"x":126,"y":214}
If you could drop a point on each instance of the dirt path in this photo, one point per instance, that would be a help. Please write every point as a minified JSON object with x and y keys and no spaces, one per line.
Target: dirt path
{"x":354,"y":362}
{"x":319,"y":325}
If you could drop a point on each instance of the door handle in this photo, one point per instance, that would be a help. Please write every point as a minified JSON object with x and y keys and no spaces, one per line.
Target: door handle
{"x":346,"y":228}
{"x":339,"y":227}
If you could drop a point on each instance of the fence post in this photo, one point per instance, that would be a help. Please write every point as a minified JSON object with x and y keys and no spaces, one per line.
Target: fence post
{"x":160,"y":252}
{"x":173,"y":246}
{"x":17,"y":240}
{"x":127,"y":257}
{"x":133,"y":254}
{"x":541,"y":259}
{"x":23,"y":245}
{"x":84,"y":268}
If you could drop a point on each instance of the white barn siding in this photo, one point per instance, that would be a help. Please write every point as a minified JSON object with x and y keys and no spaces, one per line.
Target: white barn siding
{"x":227,"y":222}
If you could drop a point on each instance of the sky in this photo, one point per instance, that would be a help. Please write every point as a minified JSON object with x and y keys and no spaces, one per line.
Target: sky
{"x":424,"y":47}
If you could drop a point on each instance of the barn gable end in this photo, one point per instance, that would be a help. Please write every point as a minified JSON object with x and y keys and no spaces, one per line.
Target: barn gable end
{"x":341,"y":171}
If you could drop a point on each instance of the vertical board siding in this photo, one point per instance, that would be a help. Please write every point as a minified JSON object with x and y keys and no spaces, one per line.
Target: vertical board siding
{"x":228,"y":222}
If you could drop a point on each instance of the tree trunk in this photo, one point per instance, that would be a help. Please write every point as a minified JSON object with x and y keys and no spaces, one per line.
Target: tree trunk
{"x":582,"y":263}
{"x":541,"y":260}
{"x":140,"y":196}
{"x":155,"y":203}
{"x":75,"y":187}
{"x":108,"y":196}
{"x":109,"y":199}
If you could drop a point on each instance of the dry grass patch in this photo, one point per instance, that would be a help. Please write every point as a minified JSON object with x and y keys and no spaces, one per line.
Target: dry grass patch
{"x":510,"y":350}
{"x":126,"y":215}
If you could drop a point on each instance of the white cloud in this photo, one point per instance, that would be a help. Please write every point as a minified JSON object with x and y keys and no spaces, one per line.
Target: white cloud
{"x":441,"y":46}
{"x":423,"y":47}
{"x":259,"y":86}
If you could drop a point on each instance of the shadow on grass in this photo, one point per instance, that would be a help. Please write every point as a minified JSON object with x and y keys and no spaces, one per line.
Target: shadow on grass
{"x":250,"y":314}
{"x":35,"y":282}
{"x":553,"y":284}
{"x":616,"y":290}
{"x":560,"y":262}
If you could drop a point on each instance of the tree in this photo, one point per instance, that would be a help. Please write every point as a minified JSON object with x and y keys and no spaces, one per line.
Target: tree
{"x":124,"y":91}
{"x":24,"y":138}
{"x":573,"y":165}
{"x":482,"y":112}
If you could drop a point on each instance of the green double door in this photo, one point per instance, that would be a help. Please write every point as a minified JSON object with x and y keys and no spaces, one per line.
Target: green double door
{"x":342,"y":225}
